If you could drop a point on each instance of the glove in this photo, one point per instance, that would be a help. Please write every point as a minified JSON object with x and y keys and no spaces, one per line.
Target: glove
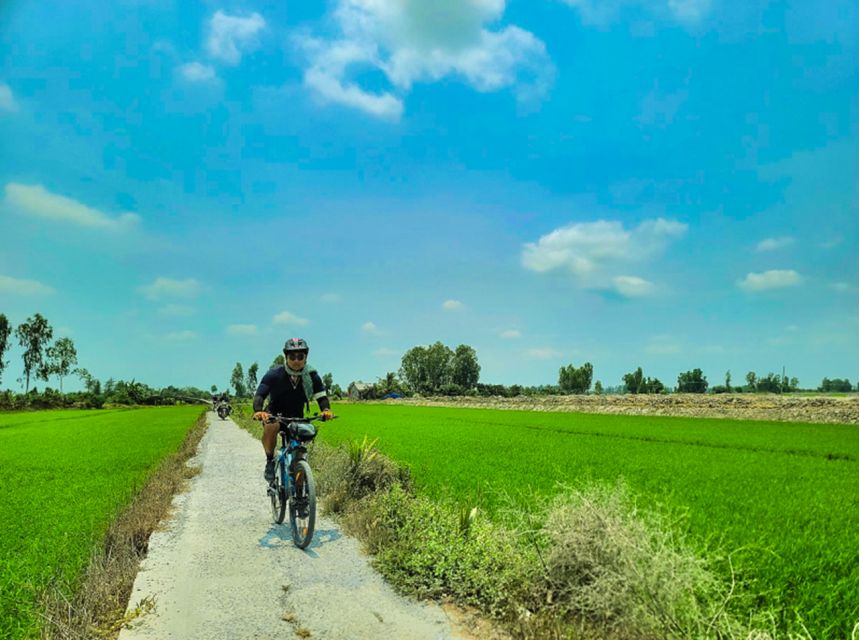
{"x":327,"y":415}
{"x":265,"y":416}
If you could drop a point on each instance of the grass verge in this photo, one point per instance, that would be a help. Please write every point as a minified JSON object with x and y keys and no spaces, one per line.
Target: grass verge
{"x":590,"y":563}
{"x":98,"y":607}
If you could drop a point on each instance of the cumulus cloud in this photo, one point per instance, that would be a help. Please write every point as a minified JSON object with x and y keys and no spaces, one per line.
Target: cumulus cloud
{"x":773,"y":244}
{"x":7,"y":99}
{"x":410,"y":42}
{"x":773,"y":279}
{"x":663,"y":345}
{"x":371,"y":328}
{"x":171,"y":288}
{"x":231,"y":36}
{"x":594,"y":251}
{"x":603,"y":12}
{"x":241,"y":329}
{"x":286,"y":317}
{"x":385,"y":352}
{"x":23,"y":287}
{"x":197,"y":72}
{"x":844,"y":287}
{"x":544,"y":353}
{"x":182,"y":336}
{"x":179,"y":310}
{"x":632,"y":286}
{"x":35,"y":200}
{"x":451,"y":305}
{"x":511,"y":334}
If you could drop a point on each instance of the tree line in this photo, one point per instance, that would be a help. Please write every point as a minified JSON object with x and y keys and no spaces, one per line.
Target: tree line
{"x":44,"y":357}
{"x":437,"y":369}
{"x":245,"y":384}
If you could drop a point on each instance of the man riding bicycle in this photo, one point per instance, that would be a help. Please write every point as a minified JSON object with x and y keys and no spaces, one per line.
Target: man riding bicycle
{"x":290,"y":387}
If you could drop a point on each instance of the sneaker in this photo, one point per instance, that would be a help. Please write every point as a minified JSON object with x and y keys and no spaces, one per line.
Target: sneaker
{"x":269,"y":471}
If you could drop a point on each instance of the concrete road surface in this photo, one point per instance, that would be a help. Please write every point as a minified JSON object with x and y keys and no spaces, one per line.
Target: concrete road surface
{"x":220,"y":569}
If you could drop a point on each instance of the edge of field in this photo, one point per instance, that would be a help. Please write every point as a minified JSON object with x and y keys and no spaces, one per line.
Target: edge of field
{"x":97,"y":606}
{"x":740,"y":406}
{"x":589,"y":564}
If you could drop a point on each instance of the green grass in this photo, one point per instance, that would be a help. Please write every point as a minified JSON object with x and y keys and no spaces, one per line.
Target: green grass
{"x":64,"y":475}
{"x":784,"y":497}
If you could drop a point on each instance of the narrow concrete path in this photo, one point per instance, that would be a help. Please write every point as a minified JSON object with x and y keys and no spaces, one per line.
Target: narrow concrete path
{"x":221,"y":569}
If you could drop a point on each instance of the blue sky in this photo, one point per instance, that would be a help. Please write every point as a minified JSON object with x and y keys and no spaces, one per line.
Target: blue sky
{"x":666,"y":184}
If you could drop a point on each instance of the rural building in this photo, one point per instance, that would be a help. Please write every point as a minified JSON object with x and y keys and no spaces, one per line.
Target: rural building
{"x":360,"y":390}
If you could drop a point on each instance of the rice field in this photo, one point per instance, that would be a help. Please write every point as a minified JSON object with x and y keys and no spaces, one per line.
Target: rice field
{"x":781,"y":498}
{"x":64,"y":475}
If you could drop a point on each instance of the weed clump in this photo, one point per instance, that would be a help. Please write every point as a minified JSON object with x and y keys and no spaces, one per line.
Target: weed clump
{"x":588,"y":564}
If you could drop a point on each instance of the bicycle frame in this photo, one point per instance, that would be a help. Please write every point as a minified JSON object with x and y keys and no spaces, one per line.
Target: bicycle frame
{"x":290,"y":449}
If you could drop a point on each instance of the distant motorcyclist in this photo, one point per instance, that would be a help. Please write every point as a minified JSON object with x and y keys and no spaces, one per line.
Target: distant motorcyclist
{"x":289,"y":387}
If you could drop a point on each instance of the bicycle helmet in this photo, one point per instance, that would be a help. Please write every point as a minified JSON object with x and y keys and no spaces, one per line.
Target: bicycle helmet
{"x":296,"y":344}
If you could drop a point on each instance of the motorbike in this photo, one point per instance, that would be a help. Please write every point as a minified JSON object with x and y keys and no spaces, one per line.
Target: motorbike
{"x":224,"y":410}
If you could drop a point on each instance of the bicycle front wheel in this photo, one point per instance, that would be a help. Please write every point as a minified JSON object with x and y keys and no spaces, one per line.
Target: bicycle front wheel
{"x":302,"y":505}
{"x":277,"y":491}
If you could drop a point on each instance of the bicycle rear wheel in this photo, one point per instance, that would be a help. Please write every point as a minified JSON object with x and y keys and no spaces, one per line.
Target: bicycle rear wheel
{"x":277,"y":491}
{"x":302,"y":505}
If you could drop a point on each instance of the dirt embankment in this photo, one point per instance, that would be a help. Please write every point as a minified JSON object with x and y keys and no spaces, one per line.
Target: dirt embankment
{"x":841,"y":410}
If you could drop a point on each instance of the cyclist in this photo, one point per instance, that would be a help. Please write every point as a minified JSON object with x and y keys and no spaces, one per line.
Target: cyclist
{"x":290,"y":387}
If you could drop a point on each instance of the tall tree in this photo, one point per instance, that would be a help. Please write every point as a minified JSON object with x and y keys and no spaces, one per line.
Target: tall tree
{"x":62,"y":356}
{"x":237,"y":380}
{"x":576,"y":379}
{"x":634,"y":382}
{"x":465,"y":370}
{"x":278,"y":361}
{"x":33,"y":336}
{"x":693,"y":381}
{"x":5,"y":330}
{"x":252,"y":377}
{"x":328,"y":382}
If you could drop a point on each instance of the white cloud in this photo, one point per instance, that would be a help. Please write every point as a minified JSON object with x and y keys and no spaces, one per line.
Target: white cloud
{"x":451,"y":305}
{"x":7,"y":100}
{"x":544,"y":353}
{"x":197,"y":72}
{"x":230,"y":36}
{"x":603,"y":12}
{"x":663,"y":345}
{"x":592,"y":251}
{"x":371,"y":328}
{"x":178,"y":310}
{"x":632,"y":286}
{"x":511,"y":334}
{"x":242,"y":329}
{"x":773,"y":279}
{"x":181,"y":336}
{"x":331,"y":298}
{"x":285,"y":317}
{"x":844,"y":287}
{"x":171,"y":288}
{"x":410,"y":42}
{"x":37,"y":201}
{"x":773,"y":244}
{"x":23,"y":287}
{"x":385,"y":352}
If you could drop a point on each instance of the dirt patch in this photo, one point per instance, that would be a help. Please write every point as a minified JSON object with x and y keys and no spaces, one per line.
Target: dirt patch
{"x":823,"y":409}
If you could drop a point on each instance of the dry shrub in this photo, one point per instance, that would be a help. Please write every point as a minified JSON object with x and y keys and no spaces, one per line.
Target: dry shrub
{"x":589,"y":565}
{"x":626,"y":573}
{"x":98,"y":607}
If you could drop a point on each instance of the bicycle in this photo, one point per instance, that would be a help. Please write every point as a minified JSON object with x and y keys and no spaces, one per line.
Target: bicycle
{"x":293,"y":484}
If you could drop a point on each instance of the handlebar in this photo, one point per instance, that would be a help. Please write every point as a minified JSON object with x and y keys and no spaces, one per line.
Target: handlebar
{"x":316,"y":417}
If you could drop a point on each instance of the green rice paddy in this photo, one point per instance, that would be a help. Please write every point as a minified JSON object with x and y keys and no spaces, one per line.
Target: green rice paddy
{"x":783,"y":498}
{"x":64,"y":475}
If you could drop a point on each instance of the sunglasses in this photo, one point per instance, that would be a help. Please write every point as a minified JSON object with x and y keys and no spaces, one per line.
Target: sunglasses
{"x":295,"y":356}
